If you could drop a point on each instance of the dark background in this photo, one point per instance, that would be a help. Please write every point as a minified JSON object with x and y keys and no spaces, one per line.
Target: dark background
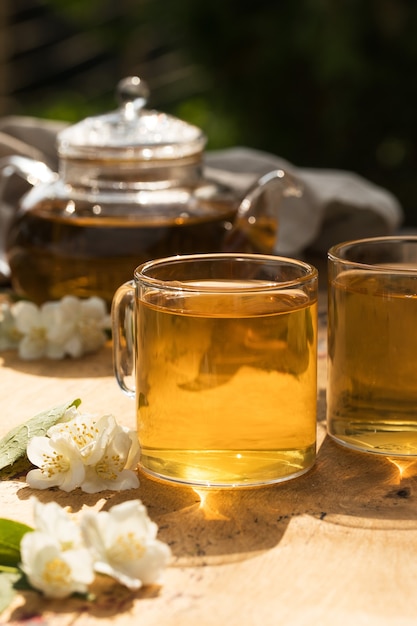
{"x":323,"y":83}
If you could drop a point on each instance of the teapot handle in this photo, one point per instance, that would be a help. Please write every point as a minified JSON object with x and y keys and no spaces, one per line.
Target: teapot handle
{"x":256,"y":225}
{"x":31,"y":171}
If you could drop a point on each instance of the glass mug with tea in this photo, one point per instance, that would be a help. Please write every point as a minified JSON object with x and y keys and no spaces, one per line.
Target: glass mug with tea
{"x":372,"y":345}
{"x":224,"y":351}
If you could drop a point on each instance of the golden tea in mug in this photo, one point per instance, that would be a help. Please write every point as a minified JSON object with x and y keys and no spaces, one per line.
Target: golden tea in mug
{"x":220,"y":353}
{"x":227,"y":386}
{"x":372,"y":390}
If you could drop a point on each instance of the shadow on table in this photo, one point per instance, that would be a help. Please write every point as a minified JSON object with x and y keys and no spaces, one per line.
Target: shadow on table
{"x":219,"y":526}
{"x":344,"y":488}
{"x":94,"y":365}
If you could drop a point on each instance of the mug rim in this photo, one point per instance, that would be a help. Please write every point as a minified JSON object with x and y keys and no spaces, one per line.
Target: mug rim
{"x":334,"y":254}
{"x":311,"y":272}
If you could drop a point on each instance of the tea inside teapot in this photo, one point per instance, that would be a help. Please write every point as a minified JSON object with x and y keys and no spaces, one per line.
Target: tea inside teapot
{"x":61,"y":247}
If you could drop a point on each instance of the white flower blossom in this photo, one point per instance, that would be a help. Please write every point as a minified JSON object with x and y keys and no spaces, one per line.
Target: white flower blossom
{"x":55,"y":572}
{"x":55,"y":521}
{"x":61,"y":555}
{"x":53,"y":556}
{"x":82,"y":325}
{"x":113,"y":471}
{"x":68,"y":327}
{"x":123,"y":544}
{"x":59,"y":461}
{"x":9,"y":335}
{"x":87,"y":452}
{"x":34,"y":324}
{"x":89,"y":433}
{"x":134,"y":450}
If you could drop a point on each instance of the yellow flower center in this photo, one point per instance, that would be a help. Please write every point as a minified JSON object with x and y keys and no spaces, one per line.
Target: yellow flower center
{"x":126,"y":547}
{"x":57,"y":573}
{"x":54,"y":463}
{"x":38,"y":333}
{"x":82,"y":433}
{"x":109,"y":468}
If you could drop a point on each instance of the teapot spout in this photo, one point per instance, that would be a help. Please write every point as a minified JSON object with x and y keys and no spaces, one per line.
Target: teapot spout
{"x":256,"y":225}
{"x":30,"y":170}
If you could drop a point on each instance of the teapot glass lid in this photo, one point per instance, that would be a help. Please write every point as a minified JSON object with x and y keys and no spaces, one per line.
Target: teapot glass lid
{"x":131,"y":132}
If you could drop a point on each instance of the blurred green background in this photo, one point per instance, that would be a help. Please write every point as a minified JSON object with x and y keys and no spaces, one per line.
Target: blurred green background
{"x":322,"y":83}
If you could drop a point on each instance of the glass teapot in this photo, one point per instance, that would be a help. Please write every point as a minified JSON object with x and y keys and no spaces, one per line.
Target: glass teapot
{"x":130,"y":187}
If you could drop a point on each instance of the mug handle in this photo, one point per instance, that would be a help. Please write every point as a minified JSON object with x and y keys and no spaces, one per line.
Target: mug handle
{"x":123,"y":331}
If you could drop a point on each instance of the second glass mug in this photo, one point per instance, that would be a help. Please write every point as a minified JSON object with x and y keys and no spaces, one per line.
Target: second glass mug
{"x":220,"y":353}
{"x":372,"y":346}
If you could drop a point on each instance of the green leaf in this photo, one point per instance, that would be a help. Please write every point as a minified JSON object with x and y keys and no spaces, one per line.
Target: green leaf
{"x":11,"y":534}
{"x":13,"y":445}
{"x":8,"y":569}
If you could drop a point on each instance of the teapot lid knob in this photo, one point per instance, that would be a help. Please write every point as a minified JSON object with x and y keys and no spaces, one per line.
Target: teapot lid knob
{"x":131,"y":132}
{"x":132,"y":94}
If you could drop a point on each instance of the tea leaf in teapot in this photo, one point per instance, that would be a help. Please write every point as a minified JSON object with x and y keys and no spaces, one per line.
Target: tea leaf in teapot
{"x":13,"y":445}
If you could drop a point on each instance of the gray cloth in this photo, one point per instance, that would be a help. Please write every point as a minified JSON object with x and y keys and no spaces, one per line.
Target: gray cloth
{"x":334,"y":205}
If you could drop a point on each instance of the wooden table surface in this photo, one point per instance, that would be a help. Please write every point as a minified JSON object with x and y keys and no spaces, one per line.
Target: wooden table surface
{"x":335,"y":546}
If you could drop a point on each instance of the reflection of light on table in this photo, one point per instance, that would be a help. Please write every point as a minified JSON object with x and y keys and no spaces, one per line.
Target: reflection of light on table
{"x":210,"y":511}
{"x":202,"y":494}
{"x":404,"y":467}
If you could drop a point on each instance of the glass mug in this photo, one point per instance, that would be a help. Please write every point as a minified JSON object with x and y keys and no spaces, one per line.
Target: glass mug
{"x":372,"y":345}
{"x":224,"y":349}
